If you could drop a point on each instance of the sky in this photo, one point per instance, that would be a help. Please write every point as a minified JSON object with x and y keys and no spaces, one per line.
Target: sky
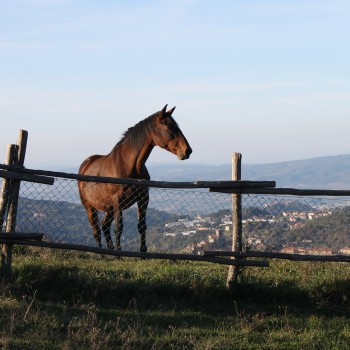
{"x":267,"y":78}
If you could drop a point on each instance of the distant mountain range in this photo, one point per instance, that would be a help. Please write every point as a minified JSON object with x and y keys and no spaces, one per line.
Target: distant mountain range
{"x":332,"y":172}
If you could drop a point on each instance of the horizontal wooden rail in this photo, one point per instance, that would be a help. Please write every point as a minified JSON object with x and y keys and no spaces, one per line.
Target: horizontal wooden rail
{"x":121,"y":253}
{"x":27,"y":177}
{"x":286,"y":256}
{"x":21,"y":236}
{"x":145,"y":183}
{"x":282,"y":191}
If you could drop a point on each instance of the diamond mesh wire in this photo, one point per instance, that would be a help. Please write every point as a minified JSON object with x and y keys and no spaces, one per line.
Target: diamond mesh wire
{"x":189,"y":220}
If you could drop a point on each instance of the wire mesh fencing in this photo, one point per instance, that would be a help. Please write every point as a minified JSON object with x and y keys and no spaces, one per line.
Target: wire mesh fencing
{"x":180,"y":220}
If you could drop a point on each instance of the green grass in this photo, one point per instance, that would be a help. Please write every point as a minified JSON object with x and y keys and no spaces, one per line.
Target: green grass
{"x":63,"y":300}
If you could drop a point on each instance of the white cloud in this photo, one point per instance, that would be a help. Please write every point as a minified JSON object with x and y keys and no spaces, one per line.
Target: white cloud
{"x":320,"y":97}
{"x":90,"y":47}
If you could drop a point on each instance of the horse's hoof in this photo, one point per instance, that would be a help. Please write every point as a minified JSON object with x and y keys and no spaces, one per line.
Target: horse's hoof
{"x":119,"y":249}
{"x":143,"y":249}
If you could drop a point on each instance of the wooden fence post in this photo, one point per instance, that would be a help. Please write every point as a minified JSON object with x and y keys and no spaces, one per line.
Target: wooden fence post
{"x":6,"y":251}
{"x":236,"y":219}
{"x":15,"y":184}
{"x":5,"y":187}
{"x":9,"y":201}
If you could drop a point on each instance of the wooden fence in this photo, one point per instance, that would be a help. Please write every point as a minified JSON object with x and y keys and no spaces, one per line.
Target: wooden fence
{"x":13,"y":172}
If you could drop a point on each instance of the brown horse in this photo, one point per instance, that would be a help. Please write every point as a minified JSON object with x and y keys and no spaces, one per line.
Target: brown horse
{"x":127,"y":160}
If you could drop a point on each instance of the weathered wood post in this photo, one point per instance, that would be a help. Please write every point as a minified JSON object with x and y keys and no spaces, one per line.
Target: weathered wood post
{"x":15,"y":184}
{"x":6,"y":186}
{"x":236,"y":219}
{"x":6,"y":249}
{"x":9,"y":201}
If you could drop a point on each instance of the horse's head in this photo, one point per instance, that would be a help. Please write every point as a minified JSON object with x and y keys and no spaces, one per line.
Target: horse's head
{"x":169,"y":136}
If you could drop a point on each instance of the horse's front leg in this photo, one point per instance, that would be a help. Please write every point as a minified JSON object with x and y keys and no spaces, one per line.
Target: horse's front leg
{"x":106,"y":228}
{"x":118,"y":218}
{"x":142,"y":204}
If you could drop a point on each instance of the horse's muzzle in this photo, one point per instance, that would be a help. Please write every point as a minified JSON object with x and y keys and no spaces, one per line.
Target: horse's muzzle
{"x":186,"y":155}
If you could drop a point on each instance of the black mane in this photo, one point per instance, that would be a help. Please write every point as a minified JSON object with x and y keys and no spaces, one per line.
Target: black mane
{"x":135,"y":136}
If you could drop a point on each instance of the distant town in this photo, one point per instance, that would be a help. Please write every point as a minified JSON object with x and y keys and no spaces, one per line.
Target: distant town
{"x":219,"y":232}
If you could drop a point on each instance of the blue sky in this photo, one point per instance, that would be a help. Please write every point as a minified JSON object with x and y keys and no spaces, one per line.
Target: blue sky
{"x":269,"y":79}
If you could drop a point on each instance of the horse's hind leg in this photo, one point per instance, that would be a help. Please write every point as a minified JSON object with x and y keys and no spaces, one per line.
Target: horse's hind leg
{"x":142,"y":204}
{"x":93,"y":219}
{"x":106,"y":228}
{"x":119,"y":224}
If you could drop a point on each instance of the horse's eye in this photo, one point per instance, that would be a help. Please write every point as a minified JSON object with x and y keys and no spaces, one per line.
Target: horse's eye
{"x":172,"y":132}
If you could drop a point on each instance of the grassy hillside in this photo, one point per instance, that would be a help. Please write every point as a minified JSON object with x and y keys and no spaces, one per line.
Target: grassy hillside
{"x":63,"y":300}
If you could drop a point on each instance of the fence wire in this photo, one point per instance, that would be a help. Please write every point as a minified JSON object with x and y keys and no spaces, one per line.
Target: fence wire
{"x":189,"y":220}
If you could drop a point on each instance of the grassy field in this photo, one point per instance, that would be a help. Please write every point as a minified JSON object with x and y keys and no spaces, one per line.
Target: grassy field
{"x":63,"y":300}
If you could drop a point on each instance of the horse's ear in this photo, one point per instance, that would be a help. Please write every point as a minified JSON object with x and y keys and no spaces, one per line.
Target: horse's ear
{"x":171,"y":110}
{"x":162,"y":112}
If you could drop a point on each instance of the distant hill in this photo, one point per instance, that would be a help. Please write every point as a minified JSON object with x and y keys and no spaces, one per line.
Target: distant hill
{"x":331,"y":172}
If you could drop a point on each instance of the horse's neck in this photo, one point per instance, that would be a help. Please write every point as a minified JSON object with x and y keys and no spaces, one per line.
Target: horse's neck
{"x":143,"y":156}
{"x":133,"y":159}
